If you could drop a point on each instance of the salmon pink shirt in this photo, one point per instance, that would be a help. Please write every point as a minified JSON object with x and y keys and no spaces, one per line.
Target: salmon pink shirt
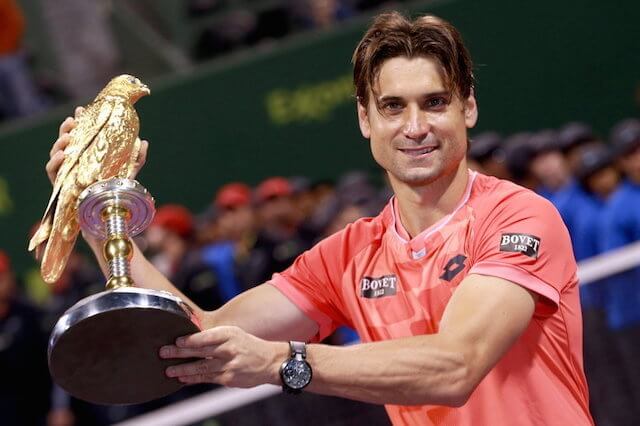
{"x":373,"y":277}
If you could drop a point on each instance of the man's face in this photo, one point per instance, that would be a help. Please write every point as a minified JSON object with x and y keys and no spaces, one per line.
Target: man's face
{"x":416,"y":127}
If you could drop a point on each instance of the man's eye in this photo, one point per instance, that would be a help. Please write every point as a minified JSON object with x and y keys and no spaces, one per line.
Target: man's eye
{"x":436,"y":102}
{"x":392,"y":106}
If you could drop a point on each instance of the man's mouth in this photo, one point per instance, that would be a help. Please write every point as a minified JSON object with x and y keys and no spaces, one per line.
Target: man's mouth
{"x":416,"y":152}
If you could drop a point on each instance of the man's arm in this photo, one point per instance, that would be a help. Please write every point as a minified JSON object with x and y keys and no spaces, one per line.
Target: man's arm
{"x":484,"y":317}
{"x":442,"y":368}
{"x":262,"y":311}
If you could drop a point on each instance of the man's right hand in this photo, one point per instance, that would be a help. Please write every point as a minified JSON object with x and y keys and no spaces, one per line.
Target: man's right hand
{"x":56,"y":155}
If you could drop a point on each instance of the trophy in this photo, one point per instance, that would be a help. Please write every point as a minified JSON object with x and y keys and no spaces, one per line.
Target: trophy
{"x":104,"y":349}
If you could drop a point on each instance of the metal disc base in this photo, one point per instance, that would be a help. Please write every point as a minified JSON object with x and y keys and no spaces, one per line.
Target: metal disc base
{"x":105,"y":348}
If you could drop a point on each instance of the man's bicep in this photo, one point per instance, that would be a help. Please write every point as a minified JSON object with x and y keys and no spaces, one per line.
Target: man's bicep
{"x":484,"y":318}
{"x":266,"y":313}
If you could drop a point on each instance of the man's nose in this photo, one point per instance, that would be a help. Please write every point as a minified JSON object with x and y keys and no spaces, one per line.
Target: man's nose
{"x":416,"y":124}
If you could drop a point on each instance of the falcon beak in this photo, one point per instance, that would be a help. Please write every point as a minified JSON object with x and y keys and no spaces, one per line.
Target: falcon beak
{"x":146,"y":89}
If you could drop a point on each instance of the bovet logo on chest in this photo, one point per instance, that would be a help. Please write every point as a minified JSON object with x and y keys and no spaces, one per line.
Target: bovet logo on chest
{"x":523,"y":243}
{"x":376,"y":287}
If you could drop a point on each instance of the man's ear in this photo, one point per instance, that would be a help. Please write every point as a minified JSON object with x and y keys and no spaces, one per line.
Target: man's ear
{"x":470,"y":111}
{"x":363,"y":120}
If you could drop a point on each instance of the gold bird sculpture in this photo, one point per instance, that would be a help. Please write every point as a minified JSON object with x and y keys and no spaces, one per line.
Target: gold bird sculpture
{"x":104,"y":144}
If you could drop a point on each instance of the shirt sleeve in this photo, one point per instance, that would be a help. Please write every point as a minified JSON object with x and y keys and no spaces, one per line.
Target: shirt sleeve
{"x":313,"y":283}
{"x":524,"y":240}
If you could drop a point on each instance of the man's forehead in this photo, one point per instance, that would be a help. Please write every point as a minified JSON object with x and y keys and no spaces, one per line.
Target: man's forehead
{"x":400,"y":75}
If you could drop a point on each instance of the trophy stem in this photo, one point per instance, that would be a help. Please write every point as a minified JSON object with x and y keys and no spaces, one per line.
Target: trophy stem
{"x":118,"y":249}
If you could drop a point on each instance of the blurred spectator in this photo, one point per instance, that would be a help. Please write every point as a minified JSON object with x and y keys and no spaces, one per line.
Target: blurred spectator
{"x":572,"y":137}
{"x":487,"y":151}
{"x":598,"y":178}
{"x":279,"y":241}
{"x":23,"y":355}
{"x":168,"y":245}
{"x":235,"y":236}
{"x":548,"y":164}
{"x":19,"y":95}
{"x":621,"y":226}
{"x":309,"y":14}
{"x":239,"y":30}
{"x":85,"y":48}
{"x":518,"y":154}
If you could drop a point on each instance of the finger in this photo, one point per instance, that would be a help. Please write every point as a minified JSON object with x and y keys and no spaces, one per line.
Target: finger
{"x":213,"y":336}
{"x":67,"y":125}
{"x":171,"y":351}
{"x":201,"y":367}
{"x":60,"y":144}
{"x":54,"y":164}
{"x":198,"y":378}
{"x":142,"y":155}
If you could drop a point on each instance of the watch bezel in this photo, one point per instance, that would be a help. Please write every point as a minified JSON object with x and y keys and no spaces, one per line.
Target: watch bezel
{"x":287,"y":384}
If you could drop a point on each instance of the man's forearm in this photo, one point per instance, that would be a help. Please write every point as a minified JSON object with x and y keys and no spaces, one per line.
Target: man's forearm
{"x":410,"y":371}
{"x":144,"y":275}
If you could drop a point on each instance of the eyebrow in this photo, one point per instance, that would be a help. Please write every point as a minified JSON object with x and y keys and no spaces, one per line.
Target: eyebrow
{"x":443,"y":93}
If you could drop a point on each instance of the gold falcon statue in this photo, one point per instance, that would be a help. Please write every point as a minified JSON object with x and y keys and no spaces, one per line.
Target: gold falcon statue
{"x":104,"y":144}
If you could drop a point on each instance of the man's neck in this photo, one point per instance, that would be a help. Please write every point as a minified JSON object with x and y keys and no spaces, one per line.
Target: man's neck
{"x":423,"y":206}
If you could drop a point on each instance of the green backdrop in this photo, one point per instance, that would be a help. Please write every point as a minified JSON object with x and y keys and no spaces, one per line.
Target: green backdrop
{"x":288,"y":109}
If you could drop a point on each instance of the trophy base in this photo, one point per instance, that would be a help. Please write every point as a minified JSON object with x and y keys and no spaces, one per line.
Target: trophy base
{"x":104,"y":349}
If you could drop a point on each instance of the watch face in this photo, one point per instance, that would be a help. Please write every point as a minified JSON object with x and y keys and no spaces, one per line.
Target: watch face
{"x":296,"y":374}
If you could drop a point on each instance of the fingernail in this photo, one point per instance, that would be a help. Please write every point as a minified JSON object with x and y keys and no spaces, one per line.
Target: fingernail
{"x":180,"y":341}
{"x":170,"y":371}
{"x":165,"y":352}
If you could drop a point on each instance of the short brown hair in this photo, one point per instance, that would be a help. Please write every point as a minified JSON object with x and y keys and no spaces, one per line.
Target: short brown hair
{"x":392,"y":35}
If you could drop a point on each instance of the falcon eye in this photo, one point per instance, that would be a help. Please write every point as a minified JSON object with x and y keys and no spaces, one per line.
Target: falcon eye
{"x":132,"y":80}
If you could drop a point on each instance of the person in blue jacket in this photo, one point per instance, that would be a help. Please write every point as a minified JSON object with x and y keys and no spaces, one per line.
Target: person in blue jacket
{"x":621,"y":226}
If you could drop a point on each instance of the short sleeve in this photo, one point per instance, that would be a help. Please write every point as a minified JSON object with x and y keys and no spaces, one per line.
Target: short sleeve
{"x":524,"y":240}
{"x":313,"y":282}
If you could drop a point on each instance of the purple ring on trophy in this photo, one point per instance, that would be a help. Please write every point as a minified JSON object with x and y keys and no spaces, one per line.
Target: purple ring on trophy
{"x":104,"y":349}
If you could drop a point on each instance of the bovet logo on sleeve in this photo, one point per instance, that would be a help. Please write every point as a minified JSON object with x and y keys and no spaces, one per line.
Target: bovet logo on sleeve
{"x":376,"y":287}
{"x":520,"y":243}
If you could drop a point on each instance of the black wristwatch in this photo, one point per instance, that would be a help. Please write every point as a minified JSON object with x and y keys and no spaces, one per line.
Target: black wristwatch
{"x":296,"y":372}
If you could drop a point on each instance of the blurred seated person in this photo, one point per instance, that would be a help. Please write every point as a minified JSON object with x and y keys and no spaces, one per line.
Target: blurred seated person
{"x":23,"y":354}
{"x":486,"y":155}
{"x":518,"y":154}
{"x":233,"y":237}
{"x":309,"y":14}
{"x":549,"y":164}
{"x":573,"y":137}
{"x":278,"y":241}
{"x":19,"y":95}
{"x":621,"y":226}
{"x":168,"y":244}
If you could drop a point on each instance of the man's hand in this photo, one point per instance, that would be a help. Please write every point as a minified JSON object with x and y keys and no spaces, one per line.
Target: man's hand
{"x":230,"y":357}
{"x":56,"y":155}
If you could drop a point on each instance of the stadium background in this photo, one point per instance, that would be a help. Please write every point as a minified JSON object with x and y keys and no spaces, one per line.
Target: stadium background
{"x":286,"y":108}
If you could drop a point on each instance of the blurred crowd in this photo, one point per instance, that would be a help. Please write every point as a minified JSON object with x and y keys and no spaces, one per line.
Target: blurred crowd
{"x":87,"y":53}
{"x":248,"y":233}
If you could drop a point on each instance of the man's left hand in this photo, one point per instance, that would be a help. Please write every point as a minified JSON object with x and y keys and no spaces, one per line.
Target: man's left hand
{"x":229,"y":356}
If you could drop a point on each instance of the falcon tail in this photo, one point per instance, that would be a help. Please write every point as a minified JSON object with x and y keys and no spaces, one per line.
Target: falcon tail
{"x":42,"y":233}
{"x":56,"y":253}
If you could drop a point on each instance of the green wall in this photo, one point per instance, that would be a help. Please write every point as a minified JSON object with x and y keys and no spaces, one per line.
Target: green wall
{"x":288,"y":109}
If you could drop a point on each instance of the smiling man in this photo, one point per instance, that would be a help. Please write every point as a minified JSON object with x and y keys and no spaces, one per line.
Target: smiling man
{"x":463,"y":289}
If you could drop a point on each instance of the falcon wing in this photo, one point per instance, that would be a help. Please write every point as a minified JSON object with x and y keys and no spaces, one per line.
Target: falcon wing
{"x":89,"y":124}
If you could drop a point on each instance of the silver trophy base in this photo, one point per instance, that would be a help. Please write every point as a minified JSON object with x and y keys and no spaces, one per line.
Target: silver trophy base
{"x":104,"y":349}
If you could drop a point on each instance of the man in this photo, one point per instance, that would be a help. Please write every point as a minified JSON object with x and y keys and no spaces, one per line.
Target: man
{"x":463,"y":289}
